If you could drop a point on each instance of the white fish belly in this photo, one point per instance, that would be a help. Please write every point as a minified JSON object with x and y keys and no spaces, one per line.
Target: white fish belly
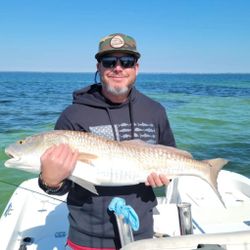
{"x":110,"y":173}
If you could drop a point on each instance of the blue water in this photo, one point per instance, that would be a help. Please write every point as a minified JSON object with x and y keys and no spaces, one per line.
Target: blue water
{"x":209,"y":113}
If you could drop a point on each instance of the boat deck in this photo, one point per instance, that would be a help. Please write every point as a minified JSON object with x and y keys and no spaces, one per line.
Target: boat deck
{"x":39,"y":221}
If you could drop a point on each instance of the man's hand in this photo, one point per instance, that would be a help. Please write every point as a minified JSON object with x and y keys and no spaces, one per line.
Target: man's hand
{"x":57,"y":163}
{"x":155,"y":180}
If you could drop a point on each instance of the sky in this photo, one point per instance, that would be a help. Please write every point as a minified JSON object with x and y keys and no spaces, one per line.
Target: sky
{"x":173,"y":36}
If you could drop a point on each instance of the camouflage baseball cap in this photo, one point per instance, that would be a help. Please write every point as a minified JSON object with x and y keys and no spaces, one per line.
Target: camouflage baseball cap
{"x":117,"y":43}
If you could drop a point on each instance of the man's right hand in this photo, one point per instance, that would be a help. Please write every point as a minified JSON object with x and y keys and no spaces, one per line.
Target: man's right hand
{"x":57,"y":163}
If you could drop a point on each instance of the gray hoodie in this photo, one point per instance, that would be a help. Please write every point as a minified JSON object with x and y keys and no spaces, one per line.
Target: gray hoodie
{"x":91,"y":224}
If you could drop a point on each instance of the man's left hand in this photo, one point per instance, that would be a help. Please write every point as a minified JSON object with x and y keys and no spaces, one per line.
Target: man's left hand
{"x":155,"y":180}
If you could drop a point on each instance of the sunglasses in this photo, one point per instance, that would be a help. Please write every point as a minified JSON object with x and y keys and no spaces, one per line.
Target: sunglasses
{"x":111,"y":61}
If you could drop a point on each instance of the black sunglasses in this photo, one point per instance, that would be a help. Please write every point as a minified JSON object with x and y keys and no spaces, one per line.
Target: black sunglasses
{"x":111,"y":61}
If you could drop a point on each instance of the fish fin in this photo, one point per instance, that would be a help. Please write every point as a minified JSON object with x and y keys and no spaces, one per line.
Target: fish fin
{"x":87,"y":158}
{"x":85,"y":184}
{"x":136,"y":142}
{"x":174,"y":150}
{"x":216,"y":165}
{"x":170,"y":149}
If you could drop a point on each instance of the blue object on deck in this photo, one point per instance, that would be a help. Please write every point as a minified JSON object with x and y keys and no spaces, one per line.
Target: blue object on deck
{"x":118,"y":205}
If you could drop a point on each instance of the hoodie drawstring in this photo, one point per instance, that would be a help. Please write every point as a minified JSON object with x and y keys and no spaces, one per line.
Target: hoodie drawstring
{"x":131,"y":117}
{"x":112,"y":123}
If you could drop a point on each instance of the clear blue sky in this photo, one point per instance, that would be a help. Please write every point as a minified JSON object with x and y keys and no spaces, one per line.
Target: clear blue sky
{"x":172,"y":36}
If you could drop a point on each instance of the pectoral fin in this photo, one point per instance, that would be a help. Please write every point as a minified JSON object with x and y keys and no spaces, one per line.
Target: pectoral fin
{"x":87,"y":158}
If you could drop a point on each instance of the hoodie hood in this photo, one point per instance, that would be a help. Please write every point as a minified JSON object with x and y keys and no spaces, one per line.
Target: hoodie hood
{"x":92,"y":96}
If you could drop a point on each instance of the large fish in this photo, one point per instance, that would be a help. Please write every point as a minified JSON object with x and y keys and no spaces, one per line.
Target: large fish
{"x":111,"y":163}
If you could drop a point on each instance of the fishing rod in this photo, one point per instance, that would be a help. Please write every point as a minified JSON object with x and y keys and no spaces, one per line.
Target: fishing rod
{"x":30,"y":190}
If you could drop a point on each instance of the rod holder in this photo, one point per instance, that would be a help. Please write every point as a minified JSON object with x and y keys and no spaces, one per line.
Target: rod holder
{"x":185,"y":218}
{"x":125,"y":230}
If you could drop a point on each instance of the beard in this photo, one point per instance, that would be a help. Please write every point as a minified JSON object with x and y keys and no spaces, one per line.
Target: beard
{"x":117,"y":90}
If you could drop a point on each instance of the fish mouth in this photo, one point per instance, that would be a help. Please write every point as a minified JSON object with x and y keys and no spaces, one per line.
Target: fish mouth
{"x":11,"y":162}
{"x":14,"y":159}
{"x":9,"y":155}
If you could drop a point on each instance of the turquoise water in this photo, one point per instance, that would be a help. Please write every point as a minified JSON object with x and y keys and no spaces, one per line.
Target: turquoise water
{"x":209,"y":114}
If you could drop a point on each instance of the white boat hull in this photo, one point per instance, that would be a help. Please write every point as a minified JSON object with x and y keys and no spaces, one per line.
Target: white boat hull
{"x":228,"y":241}
{"x":39,"y":221}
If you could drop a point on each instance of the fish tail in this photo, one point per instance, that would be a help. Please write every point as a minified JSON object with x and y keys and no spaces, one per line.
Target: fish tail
{"x":216,"y":165}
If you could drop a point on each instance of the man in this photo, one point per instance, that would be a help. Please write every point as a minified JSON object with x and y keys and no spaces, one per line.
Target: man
{"x":116,"y":110}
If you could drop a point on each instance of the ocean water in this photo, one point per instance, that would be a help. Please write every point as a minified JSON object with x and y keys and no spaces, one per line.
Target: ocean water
{"x":209,"y":113}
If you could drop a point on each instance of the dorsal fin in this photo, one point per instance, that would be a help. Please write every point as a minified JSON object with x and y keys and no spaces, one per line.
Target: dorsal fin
{"x":136,"y":142}
{"x":173,"y":150}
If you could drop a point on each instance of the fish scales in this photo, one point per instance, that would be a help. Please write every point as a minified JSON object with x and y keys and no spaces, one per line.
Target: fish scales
{"x":106,"y":162}
{"x":144,"y":157}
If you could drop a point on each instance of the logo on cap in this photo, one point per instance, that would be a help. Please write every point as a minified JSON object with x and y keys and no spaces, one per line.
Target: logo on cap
{"x":117,"y":42}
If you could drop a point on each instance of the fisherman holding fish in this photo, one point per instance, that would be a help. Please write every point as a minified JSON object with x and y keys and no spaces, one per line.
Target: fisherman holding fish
{"x":116,"y":110}
{"x":113,"y":141}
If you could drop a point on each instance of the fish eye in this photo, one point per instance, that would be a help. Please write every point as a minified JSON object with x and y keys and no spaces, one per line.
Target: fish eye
{"x":21,"y":142}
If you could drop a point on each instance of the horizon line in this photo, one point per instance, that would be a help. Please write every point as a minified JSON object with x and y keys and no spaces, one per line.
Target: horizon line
{"x":142,"y":72}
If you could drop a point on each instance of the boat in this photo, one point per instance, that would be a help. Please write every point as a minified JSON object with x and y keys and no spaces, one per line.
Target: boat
{"x":33,"y":219}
